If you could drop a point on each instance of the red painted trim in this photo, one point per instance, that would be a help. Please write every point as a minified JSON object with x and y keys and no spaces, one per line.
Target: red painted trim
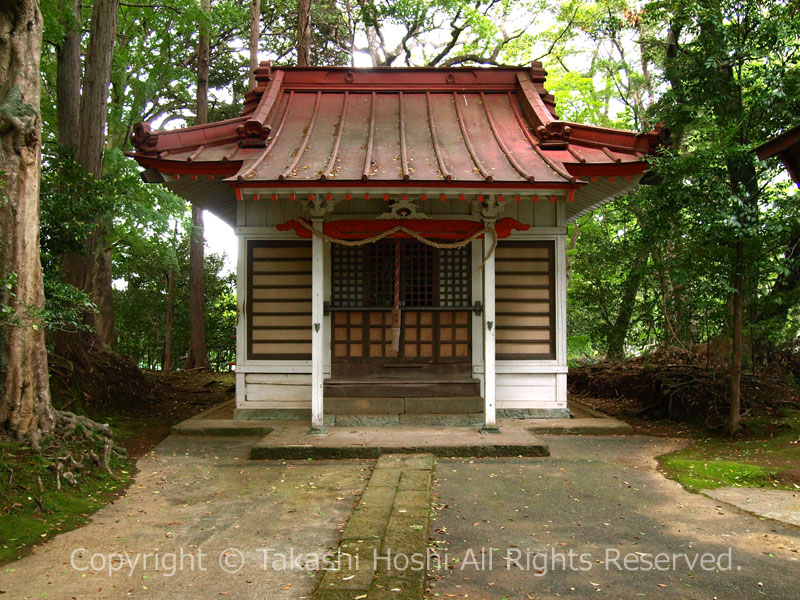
{"x":447,"y":229}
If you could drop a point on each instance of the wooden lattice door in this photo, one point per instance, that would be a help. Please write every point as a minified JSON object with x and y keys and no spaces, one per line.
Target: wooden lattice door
{"x":434,"y":288}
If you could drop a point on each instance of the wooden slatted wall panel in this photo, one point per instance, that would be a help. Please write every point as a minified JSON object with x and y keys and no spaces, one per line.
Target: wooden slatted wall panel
{"x":279,"y":300}
{"x":525,"y":300}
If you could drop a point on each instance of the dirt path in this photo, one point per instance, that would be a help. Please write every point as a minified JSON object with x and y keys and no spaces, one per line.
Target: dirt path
{"x":593,"y":496}
{"x":194,"y":498}
{"x":169,"y":399}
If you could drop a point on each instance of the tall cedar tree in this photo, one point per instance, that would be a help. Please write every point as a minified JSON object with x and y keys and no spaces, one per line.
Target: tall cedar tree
{"x":255,"y":22}
{"x":198,"y":353}
{"x":85,"y":135}
{"x":25,"y":409}
{"x":303,"y":33}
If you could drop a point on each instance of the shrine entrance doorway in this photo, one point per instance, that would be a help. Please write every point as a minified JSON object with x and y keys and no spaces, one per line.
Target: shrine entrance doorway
{"x":428,"y":289}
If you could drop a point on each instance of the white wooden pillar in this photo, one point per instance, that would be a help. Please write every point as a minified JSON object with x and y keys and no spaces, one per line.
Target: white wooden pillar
{"x":489,"y":330}
{"x":317,"y":328}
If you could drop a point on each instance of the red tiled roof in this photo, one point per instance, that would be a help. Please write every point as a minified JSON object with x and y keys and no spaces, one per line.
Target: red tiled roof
{"x":493,"y":127}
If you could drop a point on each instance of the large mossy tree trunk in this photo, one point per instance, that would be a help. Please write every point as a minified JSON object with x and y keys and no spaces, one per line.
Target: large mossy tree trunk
{"x":25,"y":409}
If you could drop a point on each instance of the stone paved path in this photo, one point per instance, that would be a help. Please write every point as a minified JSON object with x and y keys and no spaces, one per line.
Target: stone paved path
{"x":595,"y":495}
{"x":201,"y":497}
{"x":388,"y":529}
{"x":782,"y":505}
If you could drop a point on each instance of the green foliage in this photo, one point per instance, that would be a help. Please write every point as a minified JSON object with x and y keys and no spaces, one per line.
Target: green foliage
{"x":729,"y":82}
{"x":580,"y":349}
{"x":70,"y":204}
{"x":141,"y":303}
{"x":64,"y":306}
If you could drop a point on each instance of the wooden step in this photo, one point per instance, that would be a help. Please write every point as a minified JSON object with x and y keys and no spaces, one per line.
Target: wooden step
{"x":420,"y":405}
{"x":401,"y":388}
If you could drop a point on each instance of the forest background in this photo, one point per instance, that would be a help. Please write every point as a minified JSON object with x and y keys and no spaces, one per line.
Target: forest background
{"x":703,"y":262}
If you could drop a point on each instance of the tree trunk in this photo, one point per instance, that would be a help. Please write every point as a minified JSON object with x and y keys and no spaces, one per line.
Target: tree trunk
{"x":166,"y":364}
{"x":103,"y":290}
{"x":198,"y":353}
{"x":303,"y":33}
{"x":89,"y":153}
{"x":615,"y":348}
{"x":734,"y":416}
{"x":96,"y":79}
{"x":255,"y":23}
{"x":203,"y":57}
{"x":90,"y":271}
{"x":25,"y":409}
{"x":68,"y":75}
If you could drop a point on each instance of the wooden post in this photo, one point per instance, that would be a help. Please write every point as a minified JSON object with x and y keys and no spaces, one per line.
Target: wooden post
{"x":317,"y":328}
{"x":489,"y":329}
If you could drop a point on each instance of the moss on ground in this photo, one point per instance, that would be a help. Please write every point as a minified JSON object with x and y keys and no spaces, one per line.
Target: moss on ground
{"x":767,"y":454}
{"x":29,"y":515}
{"x":141,"y":417}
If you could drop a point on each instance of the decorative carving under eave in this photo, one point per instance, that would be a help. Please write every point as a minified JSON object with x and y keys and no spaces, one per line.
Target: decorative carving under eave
{"x":320,"y":206}
{"x":554,"y":134}
{"x":143,"y":137}
{"x":403,"y":209}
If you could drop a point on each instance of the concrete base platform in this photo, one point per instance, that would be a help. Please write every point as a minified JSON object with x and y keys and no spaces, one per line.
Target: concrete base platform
{"x":217,"y":421}
{"x":291,"y":440}
{"x":580,"y":426}
{"x":220,"y":427}
{"x":442,"y":428}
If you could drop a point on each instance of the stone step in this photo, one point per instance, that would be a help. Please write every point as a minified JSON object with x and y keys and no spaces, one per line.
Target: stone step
{"x":451,"y":420}
{"x":432,"y":405}
{"x":221,"y":427}
{"x":401,"y":388}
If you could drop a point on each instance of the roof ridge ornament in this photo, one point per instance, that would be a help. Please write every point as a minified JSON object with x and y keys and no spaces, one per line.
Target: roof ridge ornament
{"x":264,"y":71}
{"x":255,"y":131}
{"x":143,"y":137}
{"x":554,"y":135}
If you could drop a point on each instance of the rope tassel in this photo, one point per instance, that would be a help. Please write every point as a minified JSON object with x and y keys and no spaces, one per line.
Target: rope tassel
{"x":396,"y":301}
